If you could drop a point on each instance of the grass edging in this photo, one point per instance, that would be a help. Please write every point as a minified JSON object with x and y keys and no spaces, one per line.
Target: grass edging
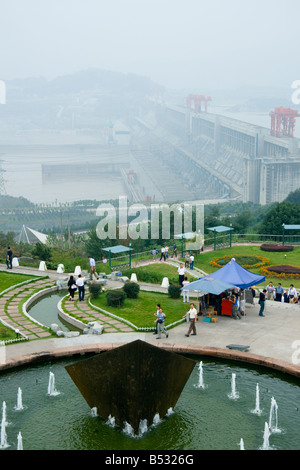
{"x":137,"y":328}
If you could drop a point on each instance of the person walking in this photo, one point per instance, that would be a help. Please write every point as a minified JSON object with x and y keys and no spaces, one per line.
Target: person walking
{"x":186,"y":293}
{"x":81,"y":289}
{"x":157,"y":312}
{"x":160,"y":321}
{"x":71,"y":287}
{"x":262,"y":299}
{"x":92,"y":268}
{"x":181,"y":272}
{"x":9,"y":256}
{"x":162,"y":254}
{"x":193,"y":318}
{"x":292,"y":293}
{"x":192,"y":259}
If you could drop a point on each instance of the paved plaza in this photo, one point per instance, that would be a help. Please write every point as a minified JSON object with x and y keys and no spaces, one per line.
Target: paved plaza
{"x":273,"y":340}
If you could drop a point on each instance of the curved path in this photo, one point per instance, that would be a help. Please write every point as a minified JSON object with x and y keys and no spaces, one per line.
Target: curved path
{"x":274,"y":340}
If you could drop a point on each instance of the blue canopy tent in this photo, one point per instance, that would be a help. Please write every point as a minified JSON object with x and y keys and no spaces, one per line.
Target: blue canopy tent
{"x":235,"y":274}
{"x":209,"y":285}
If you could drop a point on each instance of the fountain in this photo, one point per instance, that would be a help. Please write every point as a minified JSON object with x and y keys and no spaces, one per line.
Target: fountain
{"x":273,"y":419}
{"x":20,"y":442}
{"x":266,"y":445}
{"x":257,"y":409}
{"x":200,"y":382}
{"x":181,"y":427}
{"x":3,"y":444}
{"x":19,"y":406}
{"x":233,"y":395}
{"x":52,"y":392}
{"x":132,"y":382}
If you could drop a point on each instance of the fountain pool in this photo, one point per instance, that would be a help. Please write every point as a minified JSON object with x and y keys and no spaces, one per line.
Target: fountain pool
{"x":203,"y":419}
{"x":45,"y":311}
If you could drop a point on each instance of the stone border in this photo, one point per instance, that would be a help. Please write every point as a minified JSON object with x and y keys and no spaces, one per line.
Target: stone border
{"x":32,"y":299}
{"x":68,"y":318}
{"x":232,"y":355}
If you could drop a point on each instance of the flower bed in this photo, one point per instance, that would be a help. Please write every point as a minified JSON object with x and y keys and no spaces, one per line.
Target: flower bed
{"x":281,"y":271}
{"x":247,"y":261}
{"x":276,"y":248}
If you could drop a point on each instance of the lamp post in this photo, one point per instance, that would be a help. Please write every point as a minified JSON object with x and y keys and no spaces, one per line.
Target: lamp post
{"x":283,"y":227}
{"x":130,"y":256}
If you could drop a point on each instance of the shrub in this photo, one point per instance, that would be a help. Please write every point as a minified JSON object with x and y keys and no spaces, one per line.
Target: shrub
{"x":276,"y":248}
{"x":131,"y":289}
{"x":95,"y":290}
{"x":174,"y":291}
{"x":285,"y":269}
{"x":115,"y":298}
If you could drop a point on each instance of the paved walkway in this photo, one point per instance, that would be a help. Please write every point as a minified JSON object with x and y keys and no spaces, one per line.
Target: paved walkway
{"x":273,"y":340}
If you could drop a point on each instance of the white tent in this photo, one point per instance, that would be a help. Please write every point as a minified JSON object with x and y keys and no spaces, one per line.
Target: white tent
{"x":28,"y":235}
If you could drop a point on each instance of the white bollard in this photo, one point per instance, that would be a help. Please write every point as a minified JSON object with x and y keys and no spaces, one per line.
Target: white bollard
{"x":42,"y":266}
{"x":165,"y":282}
{"x":60,"y":268}
{"x":77,"y":271}
{"x":133,"y":278}
{"x":15,"y":262}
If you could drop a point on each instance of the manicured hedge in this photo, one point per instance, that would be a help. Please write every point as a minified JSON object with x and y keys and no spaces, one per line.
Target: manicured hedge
{"x":276,"y":248}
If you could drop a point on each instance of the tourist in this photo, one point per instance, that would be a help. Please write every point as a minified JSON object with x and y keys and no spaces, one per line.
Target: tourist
{"x":279,"y":292}
{"x":235,"y":311}
{"x":92,"y":268}
{"x":160,"y":321}
{"x":166,"y":252}
{"x":186,"y":293}
{"x":174,"y":251}
{"x":71,"y":287}
{"x":192,"y":259}
{"x":292,"y":293}
{"x":242,"y":303}
{"x":181,"y":272}
{"x":153,"y":252}
{"x":262,"y":299}
{"x":104,"y":260}
{"x":9,"y":256}
{"x":81,"y":289}
{"x":193,"y":318}
{"x":157,"y":312}
{"x":270,"y":291}
{"x":186,"y":260}
{"x":162,"y":254}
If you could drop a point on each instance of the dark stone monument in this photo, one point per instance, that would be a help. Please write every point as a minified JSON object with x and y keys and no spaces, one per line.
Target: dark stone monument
{"x":132,"y":382}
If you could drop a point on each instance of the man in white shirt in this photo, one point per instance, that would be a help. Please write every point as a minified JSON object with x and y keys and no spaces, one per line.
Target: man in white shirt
{"x":80,"y":285}
{"x":193,"y":318}
{"x":181,"y":272}
{"x":93,"y":268}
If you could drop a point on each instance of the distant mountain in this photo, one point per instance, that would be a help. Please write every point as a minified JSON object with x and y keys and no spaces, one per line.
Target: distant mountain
{"x":91,"y":80}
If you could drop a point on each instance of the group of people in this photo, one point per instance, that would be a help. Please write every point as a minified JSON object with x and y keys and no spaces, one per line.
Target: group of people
{"x":160,"y":321}
{"x":279,"y":295}
{"x":74,"y":285}
{"x":164,"y":252}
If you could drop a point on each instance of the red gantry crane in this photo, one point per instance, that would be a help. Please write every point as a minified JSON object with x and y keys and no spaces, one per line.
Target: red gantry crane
{"x":194,"y":102}
{"x":283,"y":121}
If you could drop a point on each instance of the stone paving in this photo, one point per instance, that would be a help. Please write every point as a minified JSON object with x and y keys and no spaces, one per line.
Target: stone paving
{"x":11,"y":309}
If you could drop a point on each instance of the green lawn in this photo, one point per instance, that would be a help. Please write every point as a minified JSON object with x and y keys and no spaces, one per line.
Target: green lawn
{"x":9,"y":279}
{"x":292,"y":258}
{"x":141,"y":311}
{"x":154,"y":273}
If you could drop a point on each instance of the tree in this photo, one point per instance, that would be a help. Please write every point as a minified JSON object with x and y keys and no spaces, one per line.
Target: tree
{"x":281,"y":213}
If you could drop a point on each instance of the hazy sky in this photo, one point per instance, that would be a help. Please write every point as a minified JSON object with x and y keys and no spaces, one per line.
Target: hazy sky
{"x":179,"y":43}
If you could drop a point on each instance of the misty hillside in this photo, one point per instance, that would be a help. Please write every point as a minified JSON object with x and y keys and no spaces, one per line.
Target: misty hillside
{"x":86,"y":99}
